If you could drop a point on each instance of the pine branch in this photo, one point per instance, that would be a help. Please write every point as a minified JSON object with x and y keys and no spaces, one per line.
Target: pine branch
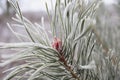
{"x":72,"y":54}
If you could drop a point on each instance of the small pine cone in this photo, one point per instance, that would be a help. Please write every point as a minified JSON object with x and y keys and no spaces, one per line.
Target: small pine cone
{"x":57,"y":44}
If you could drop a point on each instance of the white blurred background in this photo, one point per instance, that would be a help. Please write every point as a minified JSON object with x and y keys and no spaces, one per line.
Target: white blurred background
{"x":39,"y":5}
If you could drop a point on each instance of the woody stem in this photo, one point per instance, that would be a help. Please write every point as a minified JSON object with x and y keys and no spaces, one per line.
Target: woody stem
{"x":62,"y":59}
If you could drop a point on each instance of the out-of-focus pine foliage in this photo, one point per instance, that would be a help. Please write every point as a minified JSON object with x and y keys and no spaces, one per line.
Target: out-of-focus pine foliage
{"x":79,"y":49}
{"x":5,"y":7}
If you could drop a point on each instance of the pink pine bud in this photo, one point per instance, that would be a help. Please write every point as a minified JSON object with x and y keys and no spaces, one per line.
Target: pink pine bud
{"x":57,"y":44}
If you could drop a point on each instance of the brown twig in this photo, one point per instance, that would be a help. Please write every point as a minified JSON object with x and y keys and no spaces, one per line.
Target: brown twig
{"x":57,"y":44}
{"x":105,"y":47}
{"x":62,"y":59}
